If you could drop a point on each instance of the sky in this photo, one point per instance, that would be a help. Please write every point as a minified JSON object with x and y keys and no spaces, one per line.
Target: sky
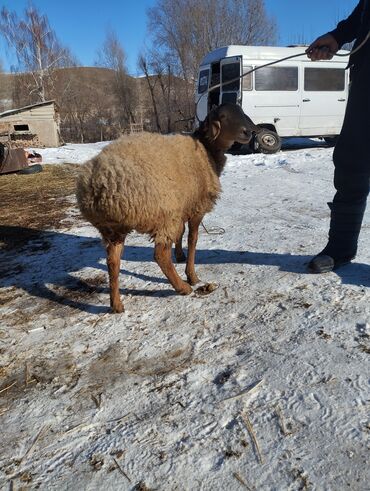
{"x":82,"y":24}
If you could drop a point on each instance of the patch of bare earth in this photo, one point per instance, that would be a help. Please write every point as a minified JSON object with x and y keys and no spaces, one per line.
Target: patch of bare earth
{"x":29,"y":206}
{"x":34,"y":202}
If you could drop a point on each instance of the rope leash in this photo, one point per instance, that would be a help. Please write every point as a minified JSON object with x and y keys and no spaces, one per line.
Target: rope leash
{"x":220,"y":230}
{"x":213,"y":230}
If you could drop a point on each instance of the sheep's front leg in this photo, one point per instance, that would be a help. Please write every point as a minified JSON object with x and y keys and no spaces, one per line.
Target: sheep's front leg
{"x":162,"y":254}
{"x":114,"y":251}
{"x":179,"y":253}
{"x":192,"y":243}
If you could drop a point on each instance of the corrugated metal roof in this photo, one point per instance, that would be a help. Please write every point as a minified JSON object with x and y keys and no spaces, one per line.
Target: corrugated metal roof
{"x":26,"y":108}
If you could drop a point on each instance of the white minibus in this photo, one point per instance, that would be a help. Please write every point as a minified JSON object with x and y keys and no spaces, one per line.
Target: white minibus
{"x":297,"y":97}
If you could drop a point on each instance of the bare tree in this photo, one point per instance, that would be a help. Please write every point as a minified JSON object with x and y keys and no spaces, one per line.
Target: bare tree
{"x":184,"y":30}
{"x":86,"y":104}
{"x":164,"y":95}
{"x":151,"y":84}
{"x":113,"y":57}
{"x":37,"y":49}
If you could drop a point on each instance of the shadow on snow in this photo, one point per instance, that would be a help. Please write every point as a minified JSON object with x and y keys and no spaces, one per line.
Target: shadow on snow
{"x":43,"y":262}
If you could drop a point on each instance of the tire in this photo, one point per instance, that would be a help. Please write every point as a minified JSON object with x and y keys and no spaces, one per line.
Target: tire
{"x":331,"y":140}
{"x":267,"y":141}
{"x":31,"y":169}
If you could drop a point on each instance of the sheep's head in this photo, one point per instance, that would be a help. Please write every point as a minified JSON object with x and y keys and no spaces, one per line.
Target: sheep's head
{"x":227,"y":124}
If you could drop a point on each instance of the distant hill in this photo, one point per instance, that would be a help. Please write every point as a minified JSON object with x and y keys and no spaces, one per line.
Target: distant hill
{"x":92,"y":106}
{"x":94,"y":77}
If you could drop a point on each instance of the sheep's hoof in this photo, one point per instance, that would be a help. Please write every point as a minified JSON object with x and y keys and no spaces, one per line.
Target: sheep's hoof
{"x":193,"y":279}
{"x":185,"y":290}
{"x":118,"y":309}
{"x":206,"y":289}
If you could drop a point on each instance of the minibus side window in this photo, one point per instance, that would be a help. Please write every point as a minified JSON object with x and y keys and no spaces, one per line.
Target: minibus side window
{"x":203,"y":81}
{"x":324,"y":79}
{"x":247,"y":80}
{"x":277,"y":78}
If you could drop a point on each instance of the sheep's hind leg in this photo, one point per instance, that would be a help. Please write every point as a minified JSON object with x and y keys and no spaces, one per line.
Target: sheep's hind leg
{"x":192,"y":243}
{"x":179,"y":252}
{"x":162,"y":255}
{"x":114,"y":252}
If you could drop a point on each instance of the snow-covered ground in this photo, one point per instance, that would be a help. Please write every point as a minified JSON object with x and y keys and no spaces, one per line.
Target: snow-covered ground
{"x":261,"y":385}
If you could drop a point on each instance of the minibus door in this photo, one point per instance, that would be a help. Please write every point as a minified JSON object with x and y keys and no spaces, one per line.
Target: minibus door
{"x":324,"y":99}
{"x":230,"y":69}
{"x":202,"y":92}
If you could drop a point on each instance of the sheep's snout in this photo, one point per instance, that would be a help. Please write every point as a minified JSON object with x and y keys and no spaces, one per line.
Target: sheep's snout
{"x":245,"y":135}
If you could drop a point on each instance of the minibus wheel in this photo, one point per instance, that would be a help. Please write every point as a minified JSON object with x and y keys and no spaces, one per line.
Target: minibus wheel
{"x":267,"y":141}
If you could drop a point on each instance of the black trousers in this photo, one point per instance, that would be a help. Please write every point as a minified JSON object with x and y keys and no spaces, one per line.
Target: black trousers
{"x":352,"y":167}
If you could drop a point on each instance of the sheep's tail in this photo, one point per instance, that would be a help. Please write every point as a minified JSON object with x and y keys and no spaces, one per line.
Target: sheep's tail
{"x":92,"y":195}
{"x":84,"y":192}
{"x":98,"y":202}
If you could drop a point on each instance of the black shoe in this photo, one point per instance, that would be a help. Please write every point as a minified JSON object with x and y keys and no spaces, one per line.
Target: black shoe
{"x":323,"y":263}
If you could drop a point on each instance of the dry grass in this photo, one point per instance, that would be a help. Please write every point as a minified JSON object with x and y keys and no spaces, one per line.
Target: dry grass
{"x":252,"y":434}
{"x":35,"y":201}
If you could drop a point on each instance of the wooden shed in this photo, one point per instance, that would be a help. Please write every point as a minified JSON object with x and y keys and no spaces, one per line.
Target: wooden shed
{"x":36,"y":125}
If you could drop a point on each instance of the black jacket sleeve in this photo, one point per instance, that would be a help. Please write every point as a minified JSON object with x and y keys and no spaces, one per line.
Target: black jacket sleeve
{"x":346,"y":31}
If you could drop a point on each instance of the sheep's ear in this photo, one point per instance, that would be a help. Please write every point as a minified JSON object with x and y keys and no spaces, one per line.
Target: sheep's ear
{"x":215,"y":129}
{"x":210,"y":127}
{"x":204,"y":126}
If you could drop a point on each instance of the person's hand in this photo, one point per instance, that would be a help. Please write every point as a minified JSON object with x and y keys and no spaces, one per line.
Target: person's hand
{"x":323,"y":48}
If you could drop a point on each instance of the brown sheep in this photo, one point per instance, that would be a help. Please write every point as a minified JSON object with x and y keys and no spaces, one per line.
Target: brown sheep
{"x":154,"y":184}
